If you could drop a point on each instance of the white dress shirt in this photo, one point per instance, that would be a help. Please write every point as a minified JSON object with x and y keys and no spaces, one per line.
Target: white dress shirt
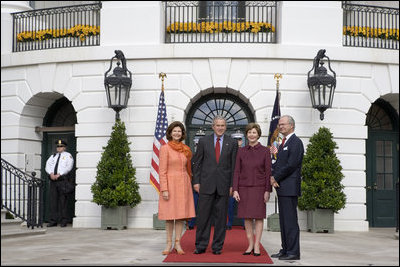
{"x":65,"y":164}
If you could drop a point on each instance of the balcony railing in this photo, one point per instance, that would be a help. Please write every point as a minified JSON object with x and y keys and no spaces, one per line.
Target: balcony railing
{"x":220,"y":21}
{"x":69,"y":26}
{"x":370,"y":26}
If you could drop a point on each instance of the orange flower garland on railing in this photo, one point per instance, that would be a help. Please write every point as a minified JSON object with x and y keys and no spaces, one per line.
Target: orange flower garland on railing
{"x":215,"y":27}
{"x":81,"y":31}
{"x":390,"y":34}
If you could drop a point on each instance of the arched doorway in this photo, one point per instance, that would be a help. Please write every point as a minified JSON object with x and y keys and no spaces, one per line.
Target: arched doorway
{"x":382,"y":149}
{"x":59,"y":123}
{"x":201,"y":114}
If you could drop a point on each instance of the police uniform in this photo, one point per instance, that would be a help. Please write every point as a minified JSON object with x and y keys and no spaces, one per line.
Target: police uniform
{"x":58,"y":199}
{"x":239,"y":136}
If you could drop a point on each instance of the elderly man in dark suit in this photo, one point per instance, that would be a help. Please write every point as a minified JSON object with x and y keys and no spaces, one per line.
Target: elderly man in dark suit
{"x":213,"y":168}
{"x":287,"y":181}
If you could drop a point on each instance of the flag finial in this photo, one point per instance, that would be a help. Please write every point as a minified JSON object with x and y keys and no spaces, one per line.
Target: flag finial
{"x":277,"y":76}
{"x":162,"y":75}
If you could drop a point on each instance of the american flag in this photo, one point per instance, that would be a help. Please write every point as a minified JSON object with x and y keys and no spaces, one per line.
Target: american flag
{"x":159,"y":140}
{"x":273,"y":149}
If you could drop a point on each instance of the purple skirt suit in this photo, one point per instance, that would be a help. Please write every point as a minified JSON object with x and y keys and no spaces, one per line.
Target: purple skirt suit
{"x":252,"y":179}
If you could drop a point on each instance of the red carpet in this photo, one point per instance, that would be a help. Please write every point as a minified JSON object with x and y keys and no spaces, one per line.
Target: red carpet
{"x":235,"y":244}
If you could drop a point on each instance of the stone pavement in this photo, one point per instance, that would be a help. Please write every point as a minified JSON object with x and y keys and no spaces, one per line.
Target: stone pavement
{"x":73,"y":246}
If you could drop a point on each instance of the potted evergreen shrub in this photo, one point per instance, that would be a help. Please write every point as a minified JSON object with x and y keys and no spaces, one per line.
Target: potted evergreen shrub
{"x":115,"y":188}
{"x":322,"y":192}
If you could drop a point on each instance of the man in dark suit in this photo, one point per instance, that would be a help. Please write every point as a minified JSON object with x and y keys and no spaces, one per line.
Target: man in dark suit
{"x":287,"y":181}
{"x":213,"y":167}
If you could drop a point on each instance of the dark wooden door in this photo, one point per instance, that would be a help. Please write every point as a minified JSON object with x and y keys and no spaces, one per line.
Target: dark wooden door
{"x":382,"y":175}
{"x":49,"y":148}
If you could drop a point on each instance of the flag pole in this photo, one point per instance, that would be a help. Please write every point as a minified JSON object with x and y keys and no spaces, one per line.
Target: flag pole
{"x":162,"y":75}
{"x":277,"y":76}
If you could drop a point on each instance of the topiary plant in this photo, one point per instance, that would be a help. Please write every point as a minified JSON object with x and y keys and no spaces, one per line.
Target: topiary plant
{"x":322,"y":174}
{"x":115,"y":183}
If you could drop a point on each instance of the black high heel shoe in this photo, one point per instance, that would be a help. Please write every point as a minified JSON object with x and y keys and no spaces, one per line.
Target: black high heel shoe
{"x":248,"y":253}
{"x":257,"y":254}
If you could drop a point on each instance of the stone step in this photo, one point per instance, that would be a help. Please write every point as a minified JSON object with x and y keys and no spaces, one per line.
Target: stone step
{"x":17,"y":228}
{"x":11,"y":223}
{"x":11,"y":233}
{"x":3,"y":214}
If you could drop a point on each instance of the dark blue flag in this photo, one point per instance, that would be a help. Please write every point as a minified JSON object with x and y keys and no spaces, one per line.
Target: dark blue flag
{"x":273,"y":134}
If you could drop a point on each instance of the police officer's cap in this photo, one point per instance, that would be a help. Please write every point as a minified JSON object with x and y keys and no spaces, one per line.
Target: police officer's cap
{"x":237,"y":136}
{"x":60,"y":142}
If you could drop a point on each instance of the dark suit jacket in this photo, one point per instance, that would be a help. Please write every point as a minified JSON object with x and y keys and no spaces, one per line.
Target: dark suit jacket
{"x":287,"y":168}
{"x":206,"y":172}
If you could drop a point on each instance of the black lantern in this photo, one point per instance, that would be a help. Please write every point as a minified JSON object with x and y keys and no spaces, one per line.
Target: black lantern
{"x":118,"y":84}
{"x":321,"y":84}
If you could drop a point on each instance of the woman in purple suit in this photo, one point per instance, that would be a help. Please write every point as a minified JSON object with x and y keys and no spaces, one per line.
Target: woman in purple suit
{"x":252,"y":187}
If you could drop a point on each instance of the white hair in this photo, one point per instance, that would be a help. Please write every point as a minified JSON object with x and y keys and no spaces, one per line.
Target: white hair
{"x":290,"y":120}
{"x":217,"y":118}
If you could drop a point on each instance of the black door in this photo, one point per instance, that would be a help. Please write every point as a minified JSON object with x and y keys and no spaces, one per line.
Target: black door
{"x":382,"y":175}
{"x":61,"y":116}
{"x":382,"y":149}
{"x":49,"y":148}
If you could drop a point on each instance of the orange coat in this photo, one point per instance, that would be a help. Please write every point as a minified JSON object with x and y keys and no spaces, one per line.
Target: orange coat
{"x":174,"y":178}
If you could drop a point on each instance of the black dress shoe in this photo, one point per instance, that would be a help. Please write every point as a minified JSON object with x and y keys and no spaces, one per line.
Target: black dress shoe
{"x":191,"y":227}
{"x":256,"y":254}
{"x":51,"y":224}
{"x":229,"y":228}
{"x":199,"y":251}
{"x":290,"y":257}
{"x":63,"y":225}
{"x":277,"y":255}
{"x":217,"y":252}
{"x":248,"y":253}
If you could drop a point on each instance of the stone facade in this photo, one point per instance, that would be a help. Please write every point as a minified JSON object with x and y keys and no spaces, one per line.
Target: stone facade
{"x":32,"y":81}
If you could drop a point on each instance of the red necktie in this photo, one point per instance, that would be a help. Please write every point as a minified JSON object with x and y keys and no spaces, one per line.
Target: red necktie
{"x":217,"y":150}
{"x":283,"y":141}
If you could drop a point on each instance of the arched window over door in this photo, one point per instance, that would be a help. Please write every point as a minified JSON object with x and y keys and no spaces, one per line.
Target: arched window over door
{"x":201,"y":114}
{"x":61,"y":113}
{"x":382,"y":164}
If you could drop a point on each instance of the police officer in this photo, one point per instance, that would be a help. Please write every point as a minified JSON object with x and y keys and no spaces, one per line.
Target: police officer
{"x":58,"y":166}
{"x":238,"y":136}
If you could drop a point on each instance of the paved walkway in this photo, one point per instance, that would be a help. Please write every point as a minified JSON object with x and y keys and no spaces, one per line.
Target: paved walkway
{"x":71,"y":246}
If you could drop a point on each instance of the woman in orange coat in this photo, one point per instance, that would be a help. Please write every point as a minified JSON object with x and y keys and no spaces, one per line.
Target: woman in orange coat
{"x":176,"y":195}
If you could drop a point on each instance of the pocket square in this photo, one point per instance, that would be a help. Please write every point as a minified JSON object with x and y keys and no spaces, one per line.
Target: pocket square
{"x":285,"y":148}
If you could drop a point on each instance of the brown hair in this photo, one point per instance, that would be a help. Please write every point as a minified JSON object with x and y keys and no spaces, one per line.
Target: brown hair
{"x":172,"y":126}
{"x":253,"y":125}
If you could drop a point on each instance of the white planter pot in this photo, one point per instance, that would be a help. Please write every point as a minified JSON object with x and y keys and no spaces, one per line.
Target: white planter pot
{"x":114,"y":218}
